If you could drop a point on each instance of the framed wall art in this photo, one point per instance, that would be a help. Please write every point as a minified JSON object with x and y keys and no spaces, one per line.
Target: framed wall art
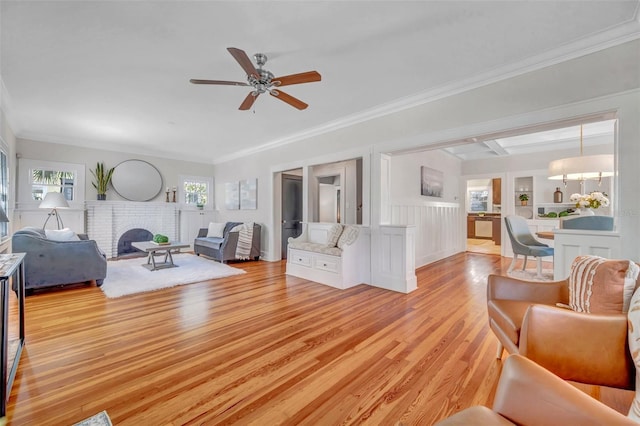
{"x":431,"y":182}
{"x":249,"y":194}
{"x":232,"y":195}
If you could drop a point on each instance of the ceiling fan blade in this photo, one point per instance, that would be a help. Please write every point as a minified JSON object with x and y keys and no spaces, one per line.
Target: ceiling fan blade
{"x":244,"y":61}
{"x":248,"y":101}
{"x":296,"y":103}
{"x":303,"y":77}
{"x":221,"y":82}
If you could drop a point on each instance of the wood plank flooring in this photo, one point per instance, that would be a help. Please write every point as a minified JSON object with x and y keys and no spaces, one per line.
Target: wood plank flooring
{"x":262,"y":348}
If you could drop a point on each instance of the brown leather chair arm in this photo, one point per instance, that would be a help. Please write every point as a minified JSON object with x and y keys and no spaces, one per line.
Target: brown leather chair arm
{"x":527,"y":394}
{"x":549,"y":293}
{"x":585,"y":348}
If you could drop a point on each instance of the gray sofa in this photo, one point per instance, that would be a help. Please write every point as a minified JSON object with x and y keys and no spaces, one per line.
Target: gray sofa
{"x":50,"y":263}
{"x":224,"y":249}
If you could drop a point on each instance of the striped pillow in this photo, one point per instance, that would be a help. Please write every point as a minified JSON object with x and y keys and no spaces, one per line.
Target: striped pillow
{"x":601,"y":286}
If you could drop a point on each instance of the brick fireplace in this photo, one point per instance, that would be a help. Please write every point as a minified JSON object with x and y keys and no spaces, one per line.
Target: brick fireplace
{"x":108,"y":220}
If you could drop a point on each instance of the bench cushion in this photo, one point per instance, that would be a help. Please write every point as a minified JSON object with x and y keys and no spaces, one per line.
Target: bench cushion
{"x":316,"y":248}
{"x":210,"y":242}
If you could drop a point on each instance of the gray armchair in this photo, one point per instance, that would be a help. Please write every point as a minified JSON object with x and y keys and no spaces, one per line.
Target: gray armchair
{"x":49,"y":263}
{"x":224,"y":249}
{"x":522,"y":242}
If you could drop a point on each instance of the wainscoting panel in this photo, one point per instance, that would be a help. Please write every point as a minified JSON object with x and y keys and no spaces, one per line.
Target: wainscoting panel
{"x":393,"y":258}
{"x":438,"y":229}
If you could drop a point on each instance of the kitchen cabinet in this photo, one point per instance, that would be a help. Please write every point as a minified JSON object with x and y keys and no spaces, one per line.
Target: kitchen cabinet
{"x":471,"y":227}
{"x":497,"y":230}
{"x":483,"y":226}
{"x":496,"y":190}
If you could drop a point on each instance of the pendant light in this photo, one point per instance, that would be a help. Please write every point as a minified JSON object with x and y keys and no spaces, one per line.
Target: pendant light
{"x":584,"y":167}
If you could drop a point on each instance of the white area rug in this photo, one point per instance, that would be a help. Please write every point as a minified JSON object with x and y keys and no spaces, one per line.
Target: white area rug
{"x":128,"y":276}
{"x":531,"y":274}
{"x":100,"y":419}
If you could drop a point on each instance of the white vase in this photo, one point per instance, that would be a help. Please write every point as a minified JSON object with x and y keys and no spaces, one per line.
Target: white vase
{"x":585,"y":211}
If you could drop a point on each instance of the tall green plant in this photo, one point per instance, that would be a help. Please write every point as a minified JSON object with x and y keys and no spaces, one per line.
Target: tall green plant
{"x":102,"y":178}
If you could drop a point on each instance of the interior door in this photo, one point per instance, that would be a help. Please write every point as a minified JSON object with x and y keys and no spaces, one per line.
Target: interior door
{"x":291,"y":209}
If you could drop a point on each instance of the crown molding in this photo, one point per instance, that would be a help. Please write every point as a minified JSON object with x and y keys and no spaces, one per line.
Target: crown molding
{"x":113,"y":147}
{"x":615,"y":36}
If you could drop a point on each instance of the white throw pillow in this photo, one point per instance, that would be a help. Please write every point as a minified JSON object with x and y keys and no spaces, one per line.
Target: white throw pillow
{"x":216,"y":230}
{"x":65,"y":234}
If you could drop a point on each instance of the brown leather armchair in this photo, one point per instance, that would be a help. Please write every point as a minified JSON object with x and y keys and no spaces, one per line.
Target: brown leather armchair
{"x":508,"y":300}
{"x":527,"y":394}
{"x":585,"y":348}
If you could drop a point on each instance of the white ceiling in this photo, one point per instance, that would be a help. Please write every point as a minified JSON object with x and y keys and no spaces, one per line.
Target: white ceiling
{"x":593,"y":134}
{"x":115,"y":74}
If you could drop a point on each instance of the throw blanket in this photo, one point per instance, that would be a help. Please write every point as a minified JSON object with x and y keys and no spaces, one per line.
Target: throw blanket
{"x":245,"y":240}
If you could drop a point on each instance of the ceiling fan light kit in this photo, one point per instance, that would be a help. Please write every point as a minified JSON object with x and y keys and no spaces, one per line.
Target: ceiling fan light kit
{"x":263,"y":81}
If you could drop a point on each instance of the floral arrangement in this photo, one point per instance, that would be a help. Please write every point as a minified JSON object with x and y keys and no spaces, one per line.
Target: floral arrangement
{"x":593,"y":200}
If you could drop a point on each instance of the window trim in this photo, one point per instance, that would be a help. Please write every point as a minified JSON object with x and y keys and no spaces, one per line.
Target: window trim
{"x":25,"y":165}
{"x":4,"y":147}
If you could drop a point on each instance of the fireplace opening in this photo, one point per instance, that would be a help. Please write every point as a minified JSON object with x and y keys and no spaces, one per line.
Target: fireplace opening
{"x":125,"y":249}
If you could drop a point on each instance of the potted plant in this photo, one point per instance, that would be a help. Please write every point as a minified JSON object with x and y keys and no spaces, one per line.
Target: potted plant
{"x":523,"y":199}
{"x":102,"y":179}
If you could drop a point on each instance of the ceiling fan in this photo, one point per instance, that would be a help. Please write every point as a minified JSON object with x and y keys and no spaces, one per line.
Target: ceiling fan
{"x":263,"y":81}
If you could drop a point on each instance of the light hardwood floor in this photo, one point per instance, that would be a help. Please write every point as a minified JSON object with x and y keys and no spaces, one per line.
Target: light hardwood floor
{"x":262,"y":348}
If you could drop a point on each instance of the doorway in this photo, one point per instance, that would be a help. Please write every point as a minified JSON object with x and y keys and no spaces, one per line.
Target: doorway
{"x":329,"y":199}
{"x":291,"y":209}
{"x":484,"y":219}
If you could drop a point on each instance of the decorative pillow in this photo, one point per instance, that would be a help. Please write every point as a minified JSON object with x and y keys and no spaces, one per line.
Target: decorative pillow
{"x":216,"y":230}
{"x":349,"y":235}
{"x":601,"y":286}
{"x":633,"y":321}
{"x":334,"y":234}
{"x":64,"y":234}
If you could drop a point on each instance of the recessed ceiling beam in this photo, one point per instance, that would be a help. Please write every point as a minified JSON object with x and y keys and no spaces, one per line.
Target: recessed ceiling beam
{"x":495,"y":147}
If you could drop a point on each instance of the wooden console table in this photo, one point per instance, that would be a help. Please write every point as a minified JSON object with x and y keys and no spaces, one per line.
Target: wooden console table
{"x":11,"y":265}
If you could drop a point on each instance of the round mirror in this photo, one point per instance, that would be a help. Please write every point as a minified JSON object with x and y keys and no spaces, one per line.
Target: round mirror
{"x":136,"y":180}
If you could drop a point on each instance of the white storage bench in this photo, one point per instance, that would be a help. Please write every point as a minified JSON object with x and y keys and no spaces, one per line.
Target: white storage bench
{"x":310,"y":257}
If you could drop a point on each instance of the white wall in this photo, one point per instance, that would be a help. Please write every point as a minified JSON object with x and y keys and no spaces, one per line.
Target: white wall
{"x":603,"y":81}
{"x":169,"y":169}
{"x":7,"y":135}
{"x":438,"y":233}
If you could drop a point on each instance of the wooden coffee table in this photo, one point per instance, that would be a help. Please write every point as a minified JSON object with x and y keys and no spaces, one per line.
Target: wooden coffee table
{"x":155,"y":249}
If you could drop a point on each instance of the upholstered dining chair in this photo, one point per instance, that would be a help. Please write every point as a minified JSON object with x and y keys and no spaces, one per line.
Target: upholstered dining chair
{"x":524,"y":243}
{"x":592,"y":223}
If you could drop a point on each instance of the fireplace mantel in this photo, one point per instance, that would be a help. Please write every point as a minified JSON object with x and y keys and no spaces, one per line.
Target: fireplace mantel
{"x":108,"y":220}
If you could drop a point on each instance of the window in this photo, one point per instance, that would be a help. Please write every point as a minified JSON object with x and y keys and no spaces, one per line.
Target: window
{"x":4,"y":188}
{"x":196,"y":190}
{"x":38,"y":177}
{"x":44,"y":181}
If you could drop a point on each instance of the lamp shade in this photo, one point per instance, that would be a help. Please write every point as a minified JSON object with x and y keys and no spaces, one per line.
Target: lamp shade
{"x":582,"y":168}
{"x":3,"y":216}
{"x":54,"y":200}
